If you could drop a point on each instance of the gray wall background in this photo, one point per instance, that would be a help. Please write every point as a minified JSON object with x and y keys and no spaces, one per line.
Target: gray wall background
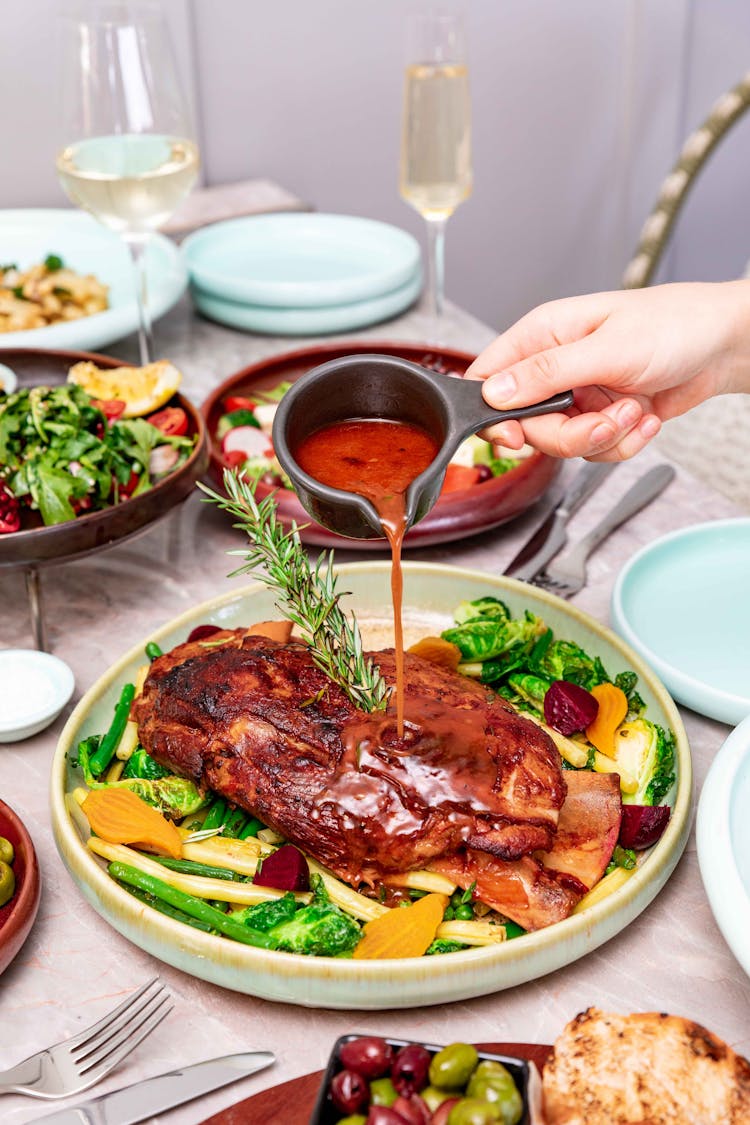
{"x":579,"y":111}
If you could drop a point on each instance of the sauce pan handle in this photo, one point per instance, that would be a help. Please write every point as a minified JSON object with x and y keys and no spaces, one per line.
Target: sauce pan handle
{"x":472,"y":413}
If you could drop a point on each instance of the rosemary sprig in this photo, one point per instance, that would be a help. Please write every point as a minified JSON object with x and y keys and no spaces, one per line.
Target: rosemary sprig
{"x":307,"y":594}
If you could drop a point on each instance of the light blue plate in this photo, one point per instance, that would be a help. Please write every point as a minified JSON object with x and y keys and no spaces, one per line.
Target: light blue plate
{"x":723,"y":838}
{"x":28,"y":236}
{"x":684,"y":604}
{"x":300,"y":260}
{"x":308,"y":322}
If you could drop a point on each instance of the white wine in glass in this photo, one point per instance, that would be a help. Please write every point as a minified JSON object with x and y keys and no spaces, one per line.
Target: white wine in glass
{"x":128,"y":155}
{"x":436,"y":171}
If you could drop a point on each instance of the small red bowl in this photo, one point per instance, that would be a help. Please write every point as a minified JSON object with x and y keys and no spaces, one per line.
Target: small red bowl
{"x":18,"y":914}
{"x":456,"y":515}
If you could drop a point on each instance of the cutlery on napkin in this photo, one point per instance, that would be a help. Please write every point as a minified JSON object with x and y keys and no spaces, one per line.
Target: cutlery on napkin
{"x":165,"y":1091}
{"x":550,"y":537}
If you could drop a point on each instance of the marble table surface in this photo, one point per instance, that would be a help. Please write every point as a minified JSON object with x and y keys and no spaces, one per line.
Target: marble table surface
{"x":74,"y":967}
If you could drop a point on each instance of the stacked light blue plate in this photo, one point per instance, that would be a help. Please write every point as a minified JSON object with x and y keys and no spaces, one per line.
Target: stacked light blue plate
{"x":302,"y":274}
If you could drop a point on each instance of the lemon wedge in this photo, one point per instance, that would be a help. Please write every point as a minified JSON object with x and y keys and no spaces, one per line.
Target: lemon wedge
{"x":142,"y":389}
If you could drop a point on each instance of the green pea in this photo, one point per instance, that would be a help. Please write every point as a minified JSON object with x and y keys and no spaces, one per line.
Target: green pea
{"x":493,"y":1083}
{"x":470,"y":1111}
{"x":7,"y":883}
{"x":453,"y":1066}
{"x":7,"y":853}
{"x":465,"y":912}
{"x":434,"y":1097}
{"x":382,"y":1092}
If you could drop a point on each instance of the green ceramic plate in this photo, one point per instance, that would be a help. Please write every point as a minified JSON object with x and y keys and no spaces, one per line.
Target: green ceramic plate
{"x":430,"y":594}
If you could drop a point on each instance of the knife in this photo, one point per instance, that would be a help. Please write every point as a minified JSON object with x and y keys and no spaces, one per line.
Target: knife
{"x":164,"y":1091}
{"x":550,"y":536}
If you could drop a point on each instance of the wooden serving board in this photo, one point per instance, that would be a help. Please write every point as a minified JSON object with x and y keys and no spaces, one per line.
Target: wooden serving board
{"x":291,"y":1103}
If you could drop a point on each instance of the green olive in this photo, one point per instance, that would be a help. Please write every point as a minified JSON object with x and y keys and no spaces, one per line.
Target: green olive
{"x":355,"y":1119}
{"x":7,"y":854}
{"x":470,"y":1111}
{"x":434,"y":1097}
{"x":7,"y":883}
{"x":492,"y":1082}
{"x":382,"y":1092}
{"x":453,"y":1066}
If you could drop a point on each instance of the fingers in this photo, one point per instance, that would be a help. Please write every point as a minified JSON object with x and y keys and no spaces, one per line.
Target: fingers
{"x":547,"y":326}
{"x":615,"y":433}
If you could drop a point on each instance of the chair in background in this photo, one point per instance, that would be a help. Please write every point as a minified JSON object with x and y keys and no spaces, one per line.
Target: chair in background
{"x":713,"y":440}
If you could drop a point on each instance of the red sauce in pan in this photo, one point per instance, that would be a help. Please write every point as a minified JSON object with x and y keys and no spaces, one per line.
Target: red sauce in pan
{"x":377,"y":459}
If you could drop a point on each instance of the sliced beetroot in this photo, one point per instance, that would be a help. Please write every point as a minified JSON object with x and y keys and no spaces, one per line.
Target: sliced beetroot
{"x":285,"y":869}
{"x":642,"y":825}
{"x":202,"y":632}
{"x":569,"y":708}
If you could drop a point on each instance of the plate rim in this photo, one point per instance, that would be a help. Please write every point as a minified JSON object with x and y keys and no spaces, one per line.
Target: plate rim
{"x":725,"y":706}
{"x":726,"y":892}
{"x":299,"y":321}
{"x":463,"y":966}
{"x":307,"y":294}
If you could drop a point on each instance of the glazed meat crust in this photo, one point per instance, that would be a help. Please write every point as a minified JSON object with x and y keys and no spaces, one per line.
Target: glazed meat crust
{"x":256,"y":721}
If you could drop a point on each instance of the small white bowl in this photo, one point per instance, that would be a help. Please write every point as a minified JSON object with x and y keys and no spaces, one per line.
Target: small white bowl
{"x":723,"y":839}
{"x":8,"y":379}
{"x":36,"y":687}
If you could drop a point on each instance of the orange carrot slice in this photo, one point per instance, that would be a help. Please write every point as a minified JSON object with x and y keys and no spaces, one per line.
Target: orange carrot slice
{"x":405,"y":931}
{"x":120,"y":816}
{"x":613,"y":707}
{"x":438,"y":651}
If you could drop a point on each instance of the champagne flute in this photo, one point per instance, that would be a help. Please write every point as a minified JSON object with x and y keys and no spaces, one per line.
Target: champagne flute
{"x":436,"y":172}
{"x":128,"y":156}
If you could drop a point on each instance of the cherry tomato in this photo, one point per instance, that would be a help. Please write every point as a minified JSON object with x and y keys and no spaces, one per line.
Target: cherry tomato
{"x":172,"y":420}
{"x":238,"y":402}
{"x":111,"y":408}
{"x":128,"y":489}
{"x":458,"y":477}
{"x":200,"y":632}
{"x":10,"y":512}
{"x":234,"y":457}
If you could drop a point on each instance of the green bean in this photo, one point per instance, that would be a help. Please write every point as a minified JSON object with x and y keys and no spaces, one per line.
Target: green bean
{"x":153,"y":650}
{"x":252,"y":828}
{"x":196,"y":907}
{"x":165,"y":908}
{"x":216,"y":814}
{"x":103,"y":756}
{"x":234,"y":823}
{"x":192,"y":867}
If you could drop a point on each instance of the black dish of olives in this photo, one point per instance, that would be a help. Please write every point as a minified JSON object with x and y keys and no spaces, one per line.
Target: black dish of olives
{"x":377,"y":1080}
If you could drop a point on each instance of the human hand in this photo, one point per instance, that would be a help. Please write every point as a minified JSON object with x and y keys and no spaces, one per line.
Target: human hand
{"x":634,"y":359}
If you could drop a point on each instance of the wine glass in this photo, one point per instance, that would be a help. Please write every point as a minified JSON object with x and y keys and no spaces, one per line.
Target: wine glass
{"x":436,"y":170}
{"x":128,"y":156}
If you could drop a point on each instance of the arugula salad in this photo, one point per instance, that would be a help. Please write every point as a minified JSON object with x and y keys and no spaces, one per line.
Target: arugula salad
{"x":63,"y":452}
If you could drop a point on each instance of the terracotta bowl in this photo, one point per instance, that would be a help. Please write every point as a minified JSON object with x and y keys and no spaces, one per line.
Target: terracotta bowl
{"x":456,"y":515}
{"x":38,"y":545}
{"x":17,"y":916}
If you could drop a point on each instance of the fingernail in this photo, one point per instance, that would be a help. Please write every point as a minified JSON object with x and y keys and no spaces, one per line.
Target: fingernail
{"x":628,"y":414}
{"x":502,"y":387}
{"x":650,"y":426}
{"x":603,"y":433}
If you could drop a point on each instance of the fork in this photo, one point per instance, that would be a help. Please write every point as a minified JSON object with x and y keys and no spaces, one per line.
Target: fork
{"x":567,"y":575}
{"x":74,"y":1065}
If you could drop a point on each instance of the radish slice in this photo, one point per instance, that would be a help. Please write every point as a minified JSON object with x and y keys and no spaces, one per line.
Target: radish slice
{"x":247,"y":440}
{"x":162,"y":460}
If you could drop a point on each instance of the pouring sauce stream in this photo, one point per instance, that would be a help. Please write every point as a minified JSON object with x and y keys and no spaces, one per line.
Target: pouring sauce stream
{"x":378,"y":459}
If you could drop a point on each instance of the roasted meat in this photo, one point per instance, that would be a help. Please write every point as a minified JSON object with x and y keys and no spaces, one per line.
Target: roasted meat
{"x":257,"y":722}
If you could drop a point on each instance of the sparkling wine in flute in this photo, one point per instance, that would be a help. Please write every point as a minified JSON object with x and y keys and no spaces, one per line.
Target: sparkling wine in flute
{"x":130,"y":182}
{"x":436,"y":144}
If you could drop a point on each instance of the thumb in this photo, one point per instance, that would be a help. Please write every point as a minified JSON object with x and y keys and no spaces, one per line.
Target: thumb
{"x":582,"y":363}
